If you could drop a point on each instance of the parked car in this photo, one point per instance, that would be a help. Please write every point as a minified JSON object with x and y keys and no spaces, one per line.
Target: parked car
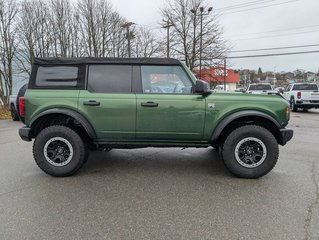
{"x":302,"y":95}
{"x":14,"y":103}
{"x":73,"y":105}
{"x":280,"y":90}
{"x":261,"y":88}
{"x":13,"y":108}
{"x":241,"y":90}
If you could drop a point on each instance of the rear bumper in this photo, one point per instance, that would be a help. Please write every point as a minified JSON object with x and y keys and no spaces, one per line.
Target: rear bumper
{"x":24,"y":133}
{"x":307,"y":103}
{"x":286,"y":135}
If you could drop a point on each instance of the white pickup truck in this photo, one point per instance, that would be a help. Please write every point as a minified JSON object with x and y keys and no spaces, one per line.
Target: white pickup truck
{"x":302,"y":95}
{"x":261,"y":88}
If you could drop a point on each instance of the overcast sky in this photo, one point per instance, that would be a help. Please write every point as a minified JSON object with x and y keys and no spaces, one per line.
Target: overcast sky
{"x":290,"y":23}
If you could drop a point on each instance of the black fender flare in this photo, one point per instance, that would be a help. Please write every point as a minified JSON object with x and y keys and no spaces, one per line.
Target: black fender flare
{"x":77,"y":116}
{"x":220,"y":127}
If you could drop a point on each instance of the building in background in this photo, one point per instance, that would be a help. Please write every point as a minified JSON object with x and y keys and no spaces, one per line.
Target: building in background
{"x":215,"y":77}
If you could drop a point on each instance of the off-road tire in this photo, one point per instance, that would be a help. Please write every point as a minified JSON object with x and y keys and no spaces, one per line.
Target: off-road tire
{"x":250,"y":131}
{"x":80,"y":151}
{"x":21,"y":93}
{"x":14,"y":114}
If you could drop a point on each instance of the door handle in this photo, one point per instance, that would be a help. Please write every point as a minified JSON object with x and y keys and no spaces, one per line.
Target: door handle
{"x":91,"y":103}
{"x":149,"y":104}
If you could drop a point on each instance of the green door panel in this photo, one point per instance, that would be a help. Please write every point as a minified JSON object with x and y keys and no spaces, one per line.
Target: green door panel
{"x":115,"y":117}
{"x":177,"y":117}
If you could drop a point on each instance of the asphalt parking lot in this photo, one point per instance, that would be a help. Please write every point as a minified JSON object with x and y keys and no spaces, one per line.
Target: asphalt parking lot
{"x":161,"y":193}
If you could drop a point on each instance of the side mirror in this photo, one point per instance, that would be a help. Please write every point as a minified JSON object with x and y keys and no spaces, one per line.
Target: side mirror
{"x":202,"y":87}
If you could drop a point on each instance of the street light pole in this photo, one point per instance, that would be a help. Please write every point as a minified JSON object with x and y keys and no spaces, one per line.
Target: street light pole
{"x":167,"y":26}
{"x":201,"y":14}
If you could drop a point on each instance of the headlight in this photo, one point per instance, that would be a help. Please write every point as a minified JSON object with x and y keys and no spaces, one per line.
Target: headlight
{"x":287,"y":113}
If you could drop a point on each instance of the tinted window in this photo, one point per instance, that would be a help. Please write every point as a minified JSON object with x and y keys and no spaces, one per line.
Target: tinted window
{"x":63,"y":76}
{"x":165,"y":80}
{"x":309,"y":87}
{"x":110,"y":79}
{"x":260,"y":87}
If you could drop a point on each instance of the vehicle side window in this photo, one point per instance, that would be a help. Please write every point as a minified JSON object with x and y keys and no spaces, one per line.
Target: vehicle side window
{"x":288,"y":88}
{"x":165,"y":80}
{"x":110,"y":78}
{"x":58,"y":76}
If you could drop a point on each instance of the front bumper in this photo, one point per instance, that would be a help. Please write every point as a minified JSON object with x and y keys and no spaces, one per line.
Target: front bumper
{"x":24,"y":133}
{"x":286,"y":135}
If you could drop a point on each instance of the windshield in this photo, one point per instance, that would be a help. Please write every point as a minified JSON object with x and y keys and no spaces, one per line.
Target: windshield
{"x":260,"y":87}
{"x":310,"y":87}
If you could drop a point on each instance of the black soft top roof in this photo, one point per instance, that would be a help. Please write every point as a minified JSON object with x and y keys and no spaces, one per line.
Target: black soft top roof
{"x":100,"y":60}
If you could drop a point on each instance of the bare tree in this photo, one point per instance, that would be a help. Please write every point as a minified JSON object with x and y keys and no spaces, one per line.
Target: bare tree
{"x":76,"y":42}
{"x":35,"y":33}
{"x":98,"y":19}
{"x":61,"y":24}
{"x":66,"y":28}
{"x":146,"y":44}
{"x":186,"y":32}
{"x":118,"y":46}
{"x":8,"y":12}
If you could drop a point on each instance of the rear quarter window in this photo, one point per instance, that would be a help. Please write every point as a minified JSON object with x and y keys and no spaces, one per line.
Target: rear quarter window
{"x":59,"y":77}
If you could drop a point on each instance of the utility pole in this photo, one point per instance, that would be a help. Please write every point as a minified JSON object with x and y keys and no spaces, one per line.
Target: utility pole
{"x":201,"y":14}
{"x":201,"y":41}
{"x":167,"y":25}
{"x":129,"y":36}
{"x":225,"y":74}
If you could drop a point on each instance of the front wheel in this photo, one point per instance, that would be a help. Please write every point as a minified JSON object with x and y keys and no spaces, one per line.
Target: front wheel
{"x":250,"y":151}
{"x":59,"y":151}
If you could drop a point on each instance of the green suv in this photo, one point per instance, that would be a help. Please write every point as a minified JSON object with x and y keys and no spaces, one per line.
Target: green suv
{"x":74,"y":105}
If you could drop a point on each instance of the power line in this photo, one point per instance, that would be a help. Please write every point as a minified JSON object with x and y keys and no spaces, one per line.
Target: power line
{"x":247,"y":4}
{"x":274,"y":36}
{"x":274,"y":48}
{"x":270,"y":5}
{"x":277,"y":30}
{"x":274,"y":54}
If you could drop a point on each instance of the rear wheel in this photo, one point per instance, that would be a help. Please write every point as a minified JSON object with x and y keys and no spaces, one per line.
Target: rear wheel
{"x":293,"y":106}
{"x":59,"y":151}
{"x":250,"y":151}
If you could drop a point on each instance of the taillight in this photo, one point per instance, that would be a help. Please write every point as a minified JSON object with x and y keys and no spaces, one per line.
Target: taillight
{"x":298,"y":94}
{"x":21,"y":107}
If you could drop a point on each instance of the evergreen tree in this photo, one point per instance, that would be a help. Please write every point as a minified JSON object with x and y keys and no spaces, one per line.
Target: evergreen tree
{"x":260,"y":73}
